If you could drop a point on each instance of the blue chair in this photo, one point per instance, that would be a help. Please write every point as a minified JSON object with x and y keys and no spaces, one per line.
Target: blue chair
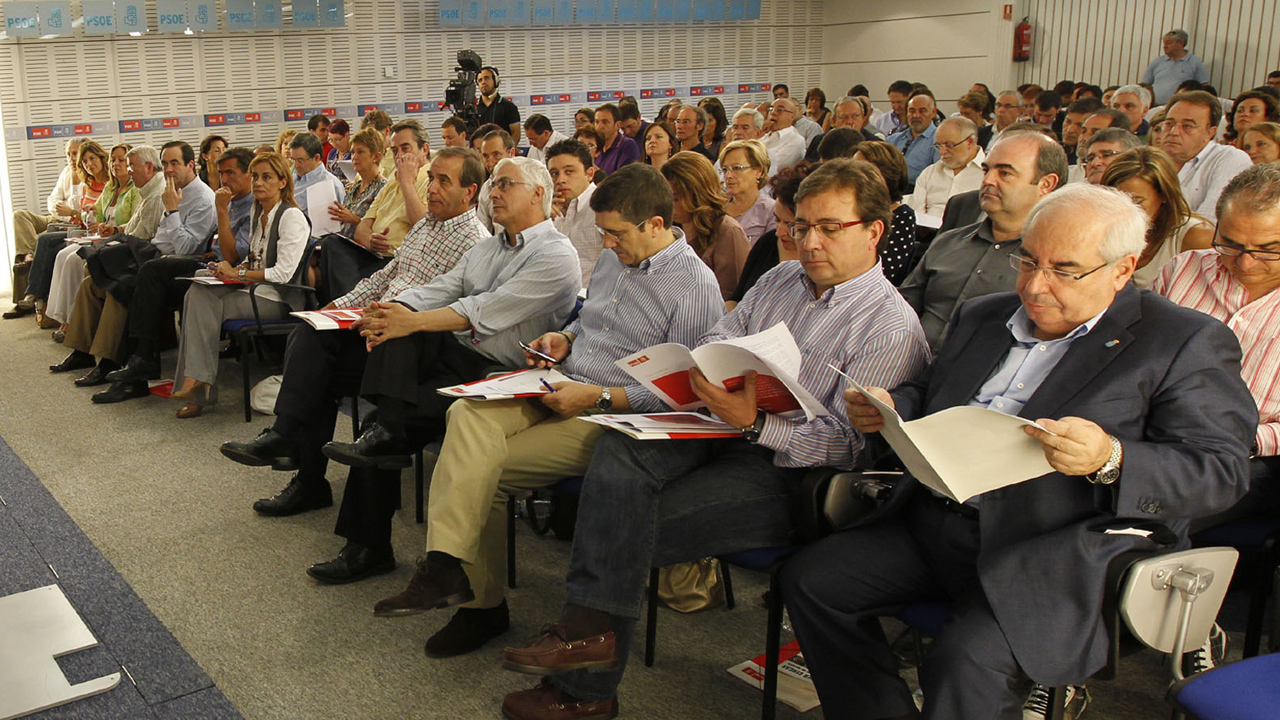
{"x":1245,"y":690}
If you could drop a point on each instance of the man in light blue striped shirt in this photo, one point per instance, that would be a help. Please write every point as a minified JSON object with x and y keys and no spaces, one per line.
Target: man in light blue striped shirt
{"x":649,"y":287}
{"x":653,"y":503}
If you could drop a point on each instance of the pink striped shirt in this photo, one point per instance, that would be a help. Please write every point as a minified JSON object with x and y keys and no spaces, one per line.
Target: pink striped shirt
{"x":1196,"y":279}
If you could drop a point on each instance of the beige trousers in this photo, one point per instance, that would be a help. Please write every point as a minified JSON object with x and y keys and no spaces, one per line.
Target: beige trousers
{"x":98,"y":323}
{"x":491,"y":448}
{"x":26,"y":227}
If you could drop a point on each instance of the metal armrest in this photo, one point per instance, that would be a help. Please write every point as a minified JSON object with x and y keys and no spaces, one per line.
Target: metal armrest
{"x":829,"y":500}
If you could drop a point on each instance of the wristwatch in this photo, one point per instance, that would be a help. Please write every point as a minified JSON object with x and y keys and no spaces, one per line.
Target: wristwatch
{"x":242,"y":272}
{"x":605,"y":403}
{"x":751,"y":433}
{"x":167,"y":213}
{"x":1110,"y":470}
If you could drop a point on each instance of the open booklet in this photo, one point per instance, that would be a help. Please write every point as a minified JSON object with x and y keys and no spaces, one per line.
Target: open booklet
{"x":518,"y":384}
{"x":211,"y":280}
{"x":336,"y":319}
{"x":664,"y":370}
{"x":666,"y":426}
{"x":963,"y":451}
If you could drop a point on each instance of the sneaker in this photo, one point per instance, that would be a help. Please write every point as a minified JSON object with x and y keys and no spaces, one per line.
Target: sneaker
{"x":1037,"y":705}
{"x":1207,"y":656}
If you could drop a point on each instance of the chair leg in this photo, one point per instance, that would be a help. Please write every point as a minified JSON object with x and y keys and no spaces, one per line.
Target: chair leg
{"x":1057,"y":703}
{"x":244,"y":374}
{"x":417,"y":485}
{"x":511,"y":540}
{"x":651,"y":627}
{"x":728,"y":585}
{"x":772,"y":643}
{"x":355,"y":417}
{"x":1273,"y":638}
{"x":1266,"y":565}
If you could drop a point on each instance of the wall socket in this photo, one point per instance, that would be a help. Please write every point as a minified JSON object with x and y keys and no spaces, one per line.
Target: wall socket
{"x":388,"y":71}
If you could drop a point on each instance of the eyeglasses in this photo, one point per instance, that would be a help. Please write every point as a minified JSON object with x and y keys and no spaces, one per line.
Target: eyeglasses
{"x":1026,"y":265}
{"x":1101,"y":155}
{"x":951,"y":146}
{"x":735,"y":169}
{"x":1186,"y":126}
{"x":1234,"y":251}
{"x":618,"y":235}
{"x":829,"y":230}
{"x":1007,"y":106}
{"x":780,"y":109}
{"x":504,"y":183}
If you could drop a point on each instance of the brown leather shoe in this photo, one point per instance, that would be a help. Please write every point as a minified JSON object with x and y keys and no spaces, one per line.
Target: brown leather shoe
{"x":190,"y":410}
{"x":547,"y":702}
{"x":433,"y":586}
{"x":551,"y":653}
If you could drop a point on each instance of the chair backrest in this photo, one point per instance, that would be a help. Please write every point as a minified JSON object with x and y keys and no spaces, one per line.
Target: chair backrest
{"x":1157,"y":591}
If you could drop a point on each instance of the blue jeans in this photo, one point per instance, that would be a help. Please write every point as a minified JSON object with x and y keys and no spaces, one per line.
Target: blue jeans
{"x":653,"y":503}
{"x":41,"y":274}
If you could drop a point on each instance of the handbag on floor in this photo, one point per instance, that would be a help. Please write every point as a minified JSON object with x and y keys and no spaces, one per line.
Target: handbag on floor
{"x":691,"y":586}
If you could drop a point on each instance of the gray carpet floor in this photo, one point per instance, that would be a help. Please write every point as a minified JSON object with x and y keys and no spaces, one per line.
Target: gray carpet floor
{"x":173,"y":517}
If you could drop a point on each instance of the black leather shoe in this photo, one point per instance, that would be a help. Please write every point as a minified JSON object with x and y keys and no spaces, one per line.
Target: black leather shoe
{"x":377,"y":447}
{"x":269,"y":448}
{"x":432,"y":586}
{"x":98,"y":375}
{"x":468,"y":630}
{"x":354,"y":562}
{"x":137,"y":368}
{"x":77,"y":360}
{"x":119,"y":392}
{"x":298,"y":496}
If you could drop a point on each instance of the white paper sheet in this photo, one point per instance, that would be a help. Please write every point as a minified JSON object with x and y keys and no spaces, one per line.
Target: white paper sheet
{"x":522,"y":383}
{"x":319,"y":197}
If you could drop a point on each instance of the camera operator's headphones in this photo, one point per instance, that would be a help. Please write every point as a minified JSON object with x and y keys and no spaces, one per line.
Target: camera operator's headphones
{"x":497,"y":81}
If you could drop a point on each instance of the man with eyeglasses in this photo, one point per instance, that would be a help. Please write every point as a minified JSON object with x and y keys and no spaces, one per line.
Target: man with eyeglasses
{"x":305,"y":152}
{"x":958,"y":170}
{"x":649,"y":287}
{"x":1148,"y":426}
{"x":785,"y":144}
{"x":848,"y":112}
{"x":1099,"y":150}
{"x":917,"y":141}
{"x":652,"y":503}
{"x":969,"y":261}
{"x":1008,"y":110}
{"x":1205,"y":166}
{"x":1235,"y":282}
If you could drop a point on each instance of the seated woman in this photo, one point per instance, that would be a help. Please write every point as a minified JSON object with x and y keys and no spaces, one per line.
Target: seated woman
{"x":211,"y":148}
{"x":717,"y":124}
{"x":1149,"y":176}
{"x":340,"y":138}
{"x":1262,"y":143}
{"x":591,"y":137}
{"x":977,"y":107}
{"x":585,"y":117}
{"x":282,"y":142}
{"x":659,"y":143}
{"x":278,"y":238}
{"x":699,"y":211}
{"x":1250,"y":108}
{"x":815,"y":107}
{"x":68,"y":269}
{"x":745,"y":166}
{"x":775,"y":246}
{"x":366,"y":150}
{"x":897,"y":247}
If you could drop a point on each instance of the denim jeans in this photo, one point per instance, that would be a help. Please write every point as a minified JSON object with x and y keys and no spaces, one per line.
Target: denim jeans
{"x":41,"y":273}
{"x":653,"y":503}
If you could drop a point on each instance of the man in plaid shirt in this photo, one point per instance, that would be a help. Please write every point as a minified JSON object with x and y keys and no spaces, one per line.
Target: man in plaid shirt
{"x":321,"y":367}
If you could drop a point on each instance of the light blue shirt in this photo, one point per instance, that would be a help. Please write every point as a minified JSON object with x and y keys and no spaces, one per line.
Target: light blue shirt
{"x":1166,"y":74}
{"x":918,"y":150}
{"x":320,"y":174}
{"x":1026,"y":366}
{"x":187,"y":230}
{"x":509,"y":292}
{"x":241,"y":214}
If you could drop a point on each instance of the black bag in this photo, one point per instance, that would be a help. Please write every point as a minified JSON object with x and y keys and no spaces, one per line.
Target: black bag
{"x":113,"y":263}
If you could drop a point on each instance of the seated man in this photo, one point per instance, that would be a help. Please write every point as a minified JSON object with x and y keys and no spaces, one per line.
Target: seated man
{"x":1150,"y":425}
{"x":1099,"y":150}
{"x":958,"y":170}
{"x":1024,"y":166}
{"x":27,"y":226}
{"x":187,"y":222}
{"x":491,"y":448}
{"x":568,"y":162}
{"x":322,"y":367}
{"x":538,"y":130}
{"x":399,"y":205}
{"x":1235,"y":282}
{"x":653,"y":503}
{"x":161,"y":286}
{"x":306,"y":152}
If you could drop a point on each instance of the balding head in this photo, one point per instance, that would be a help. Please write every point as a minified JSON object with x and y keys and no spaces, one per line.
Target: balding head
{"x":957,"y":142}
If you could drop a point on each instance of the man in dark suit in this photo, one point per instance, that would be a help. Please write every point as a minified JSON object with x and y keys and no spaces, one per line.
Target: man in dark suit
{"x":1151,"y":426}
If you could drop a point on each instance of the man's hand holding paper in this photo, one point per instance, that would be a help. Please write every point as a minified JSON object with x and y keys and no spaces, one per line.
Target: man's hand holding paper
{"x":1072,"y":445}
{"x":736,"y":408}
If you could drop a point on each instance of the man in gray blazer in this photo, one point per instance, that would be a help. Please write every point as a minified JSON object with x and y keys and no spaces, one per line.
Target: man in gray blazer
{"x":1151,"y":427}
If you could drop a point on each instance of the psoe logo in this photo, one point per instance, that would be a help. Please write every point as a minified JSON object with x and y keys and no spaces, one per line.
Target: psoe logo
{"x":638,"y":361}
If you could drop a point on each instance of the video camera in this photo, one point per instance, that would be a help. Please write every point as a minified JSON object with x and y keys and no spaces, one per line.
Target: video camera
{"x":461,"y":93}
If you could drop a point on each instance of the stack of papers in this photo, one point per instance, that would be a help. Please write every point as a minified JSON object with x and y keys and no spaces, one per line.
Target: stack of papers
{"x":337,"y":319}
{"x":666,"y":426}
{"x":518,"y":384}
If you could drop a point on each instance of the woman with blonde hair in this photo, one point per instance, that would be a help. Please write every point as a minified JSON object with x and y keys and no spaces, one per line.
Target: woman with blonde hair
{"x":745,"y":166}
{"x":366,"y":151}
{"x":699,"y":210}
{"x":282,"y":142}
{"x":1149,"y":176}
{"x":278,"y":238}
{"x":1262,"y":142}
{"x":93,"y":166}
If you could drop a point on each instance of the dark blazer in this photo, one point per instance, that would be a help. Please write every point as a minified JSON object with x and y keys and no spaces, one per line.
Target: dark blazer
{"x":1162,"y":379}
{"x":962,"y":209}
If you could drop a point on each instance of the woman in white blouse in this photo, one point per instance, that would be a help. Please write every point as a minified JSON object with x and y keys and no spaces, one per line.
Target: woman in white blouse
{"x":278,"y":238}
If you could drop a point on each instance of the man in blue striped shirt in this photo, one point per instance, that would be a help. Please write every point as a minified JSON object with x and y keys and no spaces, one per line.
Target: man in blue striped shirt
{"x":653,"y":503}
{"x":652,"y":288}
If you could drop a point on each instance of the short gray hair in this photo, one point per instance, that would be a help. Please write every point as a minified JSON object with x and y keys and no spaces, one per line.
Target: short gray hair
{"x":145,"y":154}
{"x":1017,"y":95}
{"x":533,"y":172}
{"x":757,"y":118}
{"x":1256,"y":190}
{"x":1179,"y":35}
{"x":1144,"y":95}
{"x":1127,"y":140}
{"x":1122,"y":222}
